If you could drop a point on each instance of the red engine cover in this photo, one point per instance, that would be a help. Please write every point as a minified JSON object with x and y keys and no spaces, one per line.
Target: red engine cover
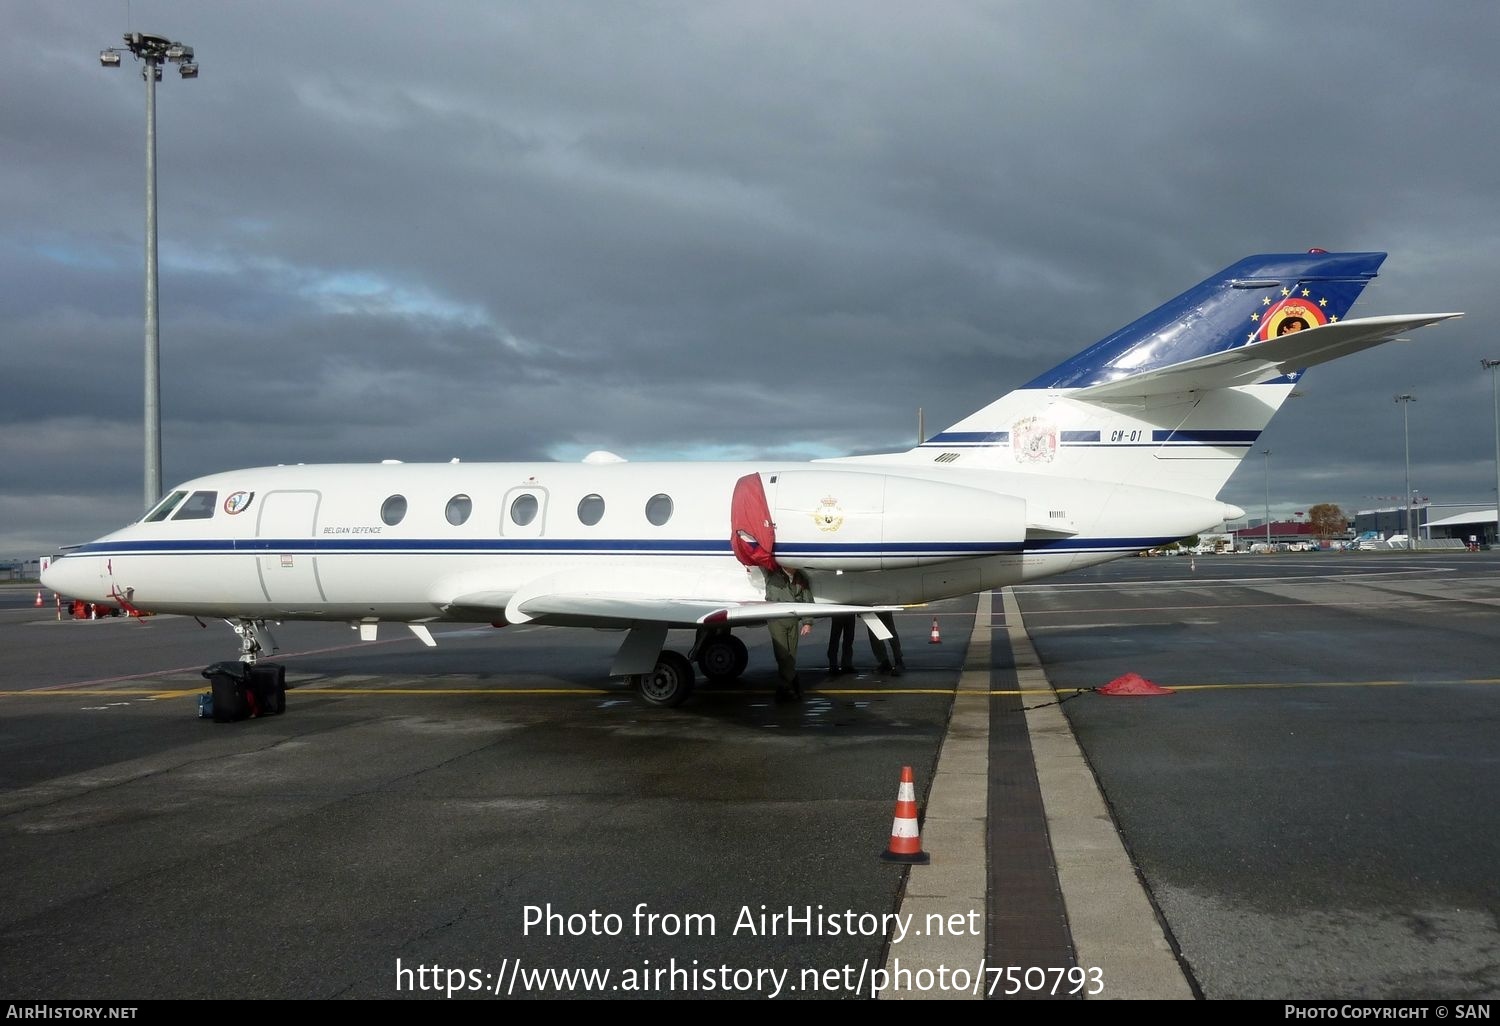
{"x":752,"y":533}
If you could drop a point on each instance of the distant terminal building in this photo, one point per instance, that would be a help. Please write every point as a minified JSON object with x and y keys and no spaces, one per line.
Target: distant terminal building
{"x":19,"y":569}
{"x":1469,"y":523}
{"x":1474,"y":526}
{"x":1391,"y":520}
{"x":1278,"y":532}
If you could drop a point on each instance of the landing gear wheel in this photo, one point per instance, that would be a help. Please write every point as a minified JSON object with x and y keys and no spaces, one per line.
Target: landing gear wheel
{"x":723,"y":658}
{"x":670,"y":683}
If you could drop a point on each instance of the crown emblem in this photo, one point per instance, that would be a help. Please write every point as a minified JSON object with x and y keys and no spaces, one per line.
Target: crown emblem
{"x":828,"y":516}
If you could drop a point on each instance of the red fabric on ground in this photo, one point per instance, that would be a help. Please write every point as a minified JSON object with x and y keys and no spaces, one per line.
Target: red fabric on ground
{"x":1133,"y":684}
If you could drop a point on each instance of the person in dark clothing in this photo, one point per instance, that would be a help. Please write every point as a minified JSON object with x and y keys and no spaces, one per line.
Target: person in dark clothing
{"x":783,"y":585}
{"x":841,"y":645}
{"x":885,"y":664}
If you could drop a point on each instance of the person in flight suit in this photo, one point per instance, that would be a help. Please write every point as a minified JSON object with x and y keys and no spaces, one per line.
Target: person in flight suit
{"x":841,"y":645}
{"x":783,"y":585}
{"x":878,"y":647}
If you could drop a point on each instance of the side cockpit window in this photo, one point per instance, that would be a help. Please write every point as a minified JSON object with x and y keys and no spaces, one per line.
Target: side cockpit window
{"x":199,"y":506}
{"x":164,"y":508}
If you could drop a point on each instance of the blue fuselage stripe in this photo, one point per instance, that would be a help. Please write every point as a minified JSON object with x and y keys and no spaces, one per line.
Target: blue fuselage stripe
{"x":611,"y":547}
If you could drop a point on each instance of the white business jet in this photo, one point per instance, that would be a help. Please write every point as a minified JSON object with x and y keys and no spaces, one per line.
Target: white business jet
{"x":1120,"y":448}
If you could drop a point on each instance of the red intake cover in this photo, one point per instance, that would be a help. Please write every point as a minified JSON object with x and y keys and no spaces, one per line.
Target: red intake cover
{"x":752,"y":535}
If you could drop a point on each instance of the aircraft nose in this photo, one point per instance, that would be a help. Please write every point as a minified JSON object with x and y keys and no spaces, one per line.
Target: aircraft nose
{"x":66,"y":576}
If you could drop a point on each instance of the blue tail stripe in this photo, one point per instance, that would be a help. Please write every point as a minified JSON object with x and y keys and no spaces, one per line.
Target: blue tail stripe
{"x":1210,"y":436}
{"x":1205,"y":436}
{"x":951,"y":438}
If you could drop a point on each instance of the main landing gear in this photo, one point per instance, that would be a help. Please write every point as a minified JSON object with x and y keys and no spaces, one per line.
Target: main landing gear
{"x":720,"y":655}
{"x":255,"y":638}
{"x":670,"y":684}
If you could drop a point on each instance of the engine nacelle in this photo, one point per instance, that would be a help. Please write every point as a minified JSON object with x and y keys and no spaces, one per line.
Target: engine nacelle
{"x":856,"y":520}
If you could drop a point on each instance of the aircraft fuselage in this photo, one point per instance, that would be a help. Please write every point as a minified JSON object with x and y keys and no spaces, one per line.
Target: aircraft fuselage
{"x":403,"y":541}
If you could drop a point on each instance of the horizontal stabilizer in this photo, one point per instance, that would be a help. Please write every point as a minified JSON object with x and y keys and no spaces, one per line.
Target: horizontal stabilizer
{"x":1263,"y":361}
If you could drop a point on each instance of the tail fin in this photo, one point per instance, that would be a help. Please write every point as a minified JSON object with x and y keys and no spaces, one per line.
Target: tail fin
{"x":1258,"y":298}
{"x":1180,"y":396}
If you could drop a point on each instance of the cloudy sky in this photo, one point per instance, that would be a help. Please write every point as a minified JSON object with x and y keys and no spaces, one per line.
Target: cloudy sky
{"x":510,"y":229}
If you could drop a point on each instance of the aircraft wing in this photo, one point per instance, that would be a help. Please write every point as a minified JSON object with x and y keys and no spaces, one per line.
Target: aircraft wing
{"x":598,"y":610}
{"x":1262,"y":361}
{"x":571,"y":601}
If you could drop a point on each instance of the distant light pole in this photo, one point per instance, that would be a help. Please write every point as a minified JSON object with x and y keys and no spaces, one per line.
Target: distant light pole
{"x":1406,"y":400}
{"x":1266,"y":464}
{"x":153,"y":50}
{"x":1490,"y":366}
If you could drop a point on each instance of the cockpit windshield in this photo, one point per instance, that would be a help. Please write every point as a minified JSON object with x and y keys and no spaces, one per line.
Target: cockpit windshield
{"x":164,"y":508}
{"x":199,"y":506}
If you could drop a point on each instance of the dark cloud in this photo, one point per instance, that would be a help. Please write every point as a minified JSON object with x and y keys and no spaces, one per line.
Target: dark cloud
{"x":528,"y":231}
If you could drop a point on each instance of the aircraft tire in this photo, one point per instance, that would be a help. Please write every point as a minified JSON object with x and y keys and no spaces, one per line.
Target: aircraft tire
{"x":670,"y":683}
{"x":723,"y":657}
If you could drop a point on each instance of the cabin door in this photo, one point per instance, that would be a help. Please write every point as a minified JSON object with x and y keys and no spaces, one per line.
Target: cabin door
{"x":288,"y":567}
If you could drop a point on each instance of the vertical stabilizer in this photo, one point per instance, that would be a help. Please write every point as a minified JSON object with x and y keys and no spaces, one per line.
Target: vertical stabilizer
{"x":1258,"y":298}
{"x":1188,"y":440}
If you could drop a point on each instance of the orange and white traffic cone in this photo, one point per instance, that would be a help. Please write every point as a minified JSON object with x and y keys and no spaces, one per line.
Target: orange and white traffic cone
{"x":39,"y":598}
{"x":936,"y":639}
{"x":906,"y":837}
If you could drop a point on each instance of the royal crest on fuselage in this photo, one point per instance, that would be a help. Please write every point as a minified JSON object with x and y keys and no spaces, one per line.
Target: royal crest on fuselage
{"x":1033,"y":440}
{"x":828,"y":516}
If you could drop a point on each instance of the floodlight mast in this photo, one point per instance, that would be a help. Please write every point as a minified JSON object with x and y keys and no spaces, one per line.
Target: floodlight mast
{"x":1266,"y":466}
{"x":1406,"y":399}
{"x":152,"y":51}
{"x":1490,"y":366}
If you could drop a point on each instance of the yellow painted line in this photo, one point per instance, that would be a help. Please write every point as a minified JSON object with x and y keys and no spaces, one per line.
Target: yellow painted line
{"x":1320,"y":684}
{"x":452,"y":691}
{"x":1386,"y":601}
{"x":107,"y":693}
{"x":586,"y":692}
{"x":814,"y":692}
